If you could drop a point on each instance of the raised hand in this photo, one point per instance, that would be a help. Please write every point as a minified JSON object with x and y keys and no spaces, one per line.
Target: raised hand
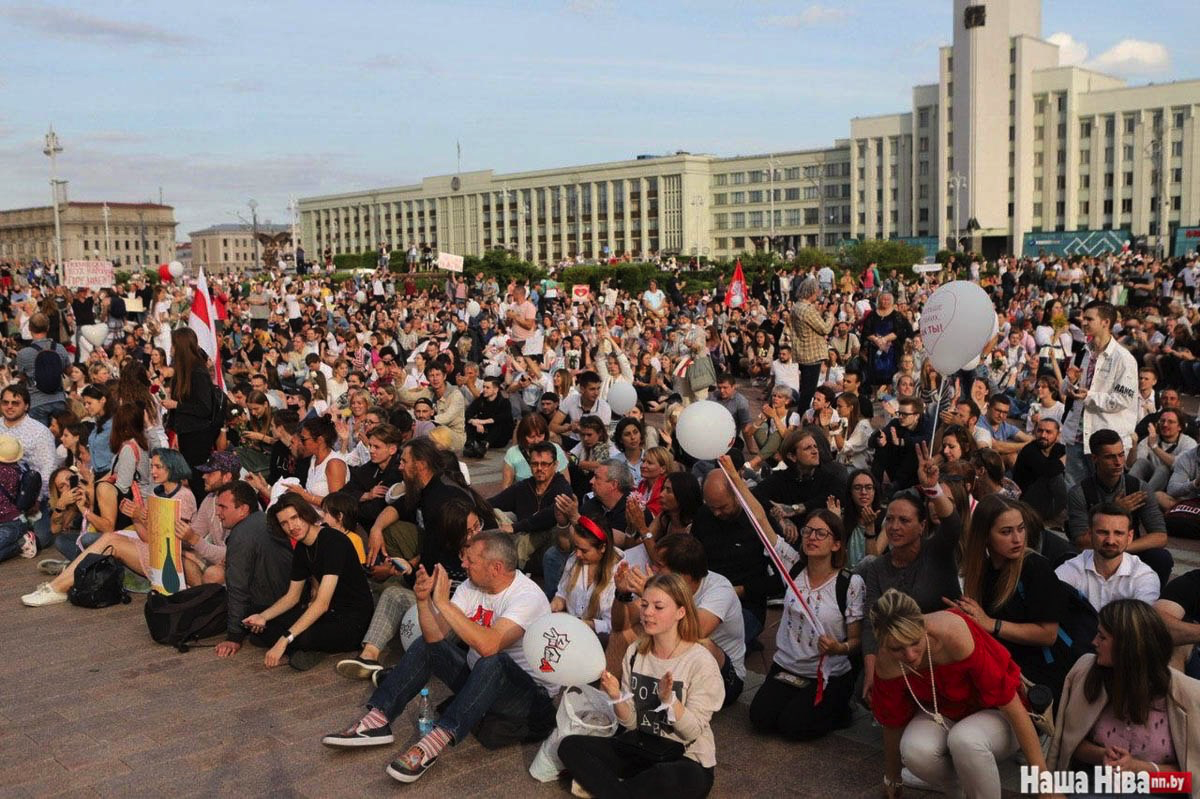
{"x":422,"y":585}
{"x":666,"y":684}
{"x":610,"y":685}
{"x":927,"y":468}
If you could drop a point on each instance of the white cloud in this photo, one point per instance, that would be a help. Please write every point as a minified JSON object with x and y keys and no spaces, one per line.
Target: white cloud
{"x":813,"y":15}
{"x":1071,"y":51}
{"x":1126,"y":57}
{"x":1133,"y":57}
{"x":589,"y":6}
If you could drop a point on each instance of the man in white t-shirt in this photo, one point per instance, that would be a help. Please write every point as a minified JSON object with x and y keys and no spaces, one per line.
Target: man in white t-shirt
{"x":489,"y":613}
{"x":785,"y":371}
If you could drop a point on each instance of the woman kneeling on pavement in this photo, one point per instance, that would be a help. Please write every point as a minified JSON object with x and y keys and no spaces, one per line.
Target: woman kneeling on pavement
{"x":670,"y":690}
{"x":337,"y":617}
{"x":948,"y":697}
{"x":586,"y":589}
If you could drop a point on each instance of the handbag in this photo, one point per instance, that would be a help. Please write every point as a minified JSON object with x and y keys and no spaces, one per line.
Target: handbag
{"x":584,"y":710}
{"x":99,"y":581}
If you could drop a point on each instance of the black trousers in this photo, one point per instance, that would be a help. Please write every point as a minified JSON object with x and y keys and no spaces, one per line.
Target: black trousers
{"x":332,"y":632}
{"x":196,"y":448}
{"x":597,"y":766}
{"x":810,"y":378}
{"x":784,"y":709}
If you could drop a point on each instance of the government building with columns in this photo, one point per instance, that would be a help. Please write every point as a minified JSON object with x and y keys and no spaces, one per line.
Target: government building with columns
{"x":1008,"y":152}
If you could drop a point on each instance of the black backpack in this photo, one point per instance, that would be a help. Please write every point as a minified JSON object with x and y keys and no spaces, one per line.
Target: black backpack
{"x":48,"y":371}
{"x":29,"y":488}
{"x":1076,"y":630}
{"x":99,"y":581}
{"x":185,"y":617}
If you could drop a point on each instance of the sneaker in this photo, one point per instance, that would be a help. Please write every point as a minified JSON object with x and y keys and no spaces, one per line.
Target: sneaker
{"x":356,"y":735}
{"x":43,"y":595}
{"x":52,"y":566}
{"x":358,"y":668}
{"x":579,"y":790}
{"x":407,"y":769}
{"x":303,"y":659}
{"x":28,"y":546}
{"x":378,"y":677}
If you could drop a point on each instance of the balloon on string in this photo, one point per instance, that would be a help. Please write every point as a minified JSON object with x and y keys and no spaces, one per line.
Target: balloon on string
{"x":956,"y":324}
{"x":164,"y":273}
{"x":176,"y":269}
{"x":94,"y":334}
{"x":472,"y":308}
{"x":622,"y":396}
{"x":705,"y":430}
{"x":972,"y":364}
{"x":562,"y":650}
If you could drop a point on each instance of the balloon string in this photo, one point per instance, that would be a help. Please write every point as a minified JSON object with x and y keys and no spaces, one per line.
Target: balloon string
{"x":937,"y":410}
{"x":818,"y":628}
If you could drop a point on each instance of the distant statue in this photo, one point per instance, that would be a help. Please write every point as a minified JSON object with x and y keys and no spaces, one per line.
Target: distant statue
{"x":275,"y":247}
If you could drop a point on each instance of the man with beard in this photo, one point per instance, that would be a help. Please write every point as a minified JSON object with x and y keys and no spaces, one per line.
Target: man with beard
{"x":1107,"y":570}
{"x":1040,"y":469}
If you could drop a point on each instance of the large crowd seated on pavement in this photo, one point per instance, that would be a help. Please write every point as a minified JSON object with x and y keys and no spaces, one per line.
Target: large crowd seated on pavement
{"x":940,"y":534}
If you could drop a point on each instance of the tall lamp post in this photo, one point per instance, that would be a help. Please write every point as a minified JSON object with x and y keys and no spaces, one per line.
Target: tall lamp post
{"x":254,"y":230}
{"x":52,"y":149}
{"x":771,"y":164}
{"x":1153,"y":152}
{"x":956,"y":182}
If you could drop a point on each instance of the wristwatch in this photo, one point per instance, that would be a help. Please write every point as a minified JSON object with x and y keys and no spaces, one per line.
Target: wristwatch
{"x":288,"y":636}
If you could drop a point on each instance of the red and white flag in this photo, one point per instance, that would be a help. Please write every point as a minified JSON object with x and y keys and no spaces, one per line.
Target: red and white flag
{"x":202,"y":319}
{"x":735,"y":297}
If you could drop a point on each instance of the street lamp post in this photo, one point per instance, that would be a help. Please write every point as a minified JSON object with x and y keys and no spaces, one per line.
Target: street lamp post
{"x":771,"y":162}
{"x":254,"y":230}
{"x":52,"y":149}
{"x":956,"y":182}
{"x":819,"y":182}
{"x":698,"y":204}
{"x":107,"y":240}
{"x":1153,"y":151}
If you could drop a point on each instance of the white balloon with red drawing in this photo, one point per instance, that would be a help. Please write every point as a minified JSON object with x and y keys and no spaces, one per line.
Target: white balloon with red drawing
{"x":957,"y":322}
{"x":563,"y":650}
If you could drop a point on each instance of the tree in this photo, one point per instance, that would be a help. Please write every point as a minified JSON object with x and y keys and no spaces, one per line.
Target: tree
{"x":890,"y":254}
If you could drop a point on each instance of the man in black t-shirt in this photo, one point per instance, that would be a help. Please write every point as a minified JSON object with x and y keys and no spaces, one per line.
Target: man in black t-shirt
{"x":1179,"y":607}
{"x":1040,"y":471}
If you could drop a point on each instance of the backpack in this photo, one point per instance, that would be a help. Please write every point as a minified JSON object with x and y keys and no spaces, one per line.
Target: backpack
{"x":29,"y":488}
{"x":182,"y":618}
{"x":841,"y":590}
{"x":48,"y":371}
{"x":99,"y":581}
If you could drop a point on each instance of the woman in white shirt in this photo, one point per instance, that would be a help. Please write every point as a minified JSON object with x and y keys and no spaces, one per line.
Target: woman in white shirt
{"x":853,"y":437}
{"x":1047,"y":405}
{"x":807,"y":655}
{"x":328,"y":472}
{"x":772,"y":424}
{"x":586,"y":589}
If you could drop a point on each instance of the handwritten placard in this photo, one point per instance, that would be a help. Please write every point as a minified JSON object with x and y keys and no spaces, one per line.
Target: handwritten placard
{"x":88,"y":274}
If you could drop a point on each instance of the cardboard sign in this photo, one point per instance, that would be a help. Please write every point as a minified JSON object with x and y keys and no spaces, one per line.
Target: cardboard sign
{"x":581,"y":293}
{"x":88,"y":274}
{"x":166,"y":553}
{"x":449,"y":262}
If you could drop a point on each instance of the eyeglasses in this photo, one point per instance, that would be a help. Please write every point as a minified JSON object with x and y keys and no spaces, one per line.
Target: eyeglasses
{"x":541,"y":464}
{"x":906,"y":414}
{"x":863,"y":487}
{"x":818,"y":533}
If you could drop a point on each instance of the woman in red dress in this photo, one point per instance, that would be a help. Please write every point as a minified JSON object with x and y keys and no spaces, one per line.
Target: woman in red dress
{"x":948,"y":698}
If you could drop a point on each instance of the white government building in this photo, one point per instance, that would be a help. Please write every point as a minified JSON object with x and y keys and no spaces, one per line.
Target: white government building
{"x":1007,"y":151}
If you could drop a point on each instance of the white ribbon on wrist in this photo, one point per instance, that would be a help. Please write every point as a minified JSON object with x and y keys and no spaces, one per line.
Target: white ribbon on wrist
{"x":620,"y":699}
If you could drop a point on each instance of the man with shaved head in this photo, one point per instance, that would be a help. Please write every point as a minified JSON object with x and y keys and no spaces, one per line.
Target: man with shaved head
{"x":734,"y":550}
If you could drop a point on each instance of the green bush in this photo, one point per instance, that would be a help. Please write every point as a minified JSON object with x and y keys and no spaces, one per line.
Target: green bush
{"x":889,"y":254}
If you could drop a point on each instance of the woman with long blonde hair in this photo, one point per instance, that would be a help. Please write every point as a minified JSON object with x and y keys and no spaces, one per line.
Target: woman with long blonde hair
{"x":670,"y":688}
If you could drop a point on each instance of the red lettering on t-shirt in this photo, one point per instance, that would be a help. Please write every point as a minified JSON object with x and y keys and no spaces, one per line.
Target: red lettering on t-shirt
{"x":482,"y":616}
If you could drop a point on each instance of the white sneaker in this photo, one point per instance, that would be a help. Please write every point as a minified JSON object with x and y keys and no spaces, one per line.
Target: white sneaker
{"x":43,"y":595}
{"x":579,"y":790}
{"x":28,"y":546}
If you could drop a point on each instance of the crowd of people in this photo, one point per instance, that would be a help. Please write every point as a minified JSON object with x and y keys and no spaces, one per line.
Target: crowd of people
{"x":952,"y":552}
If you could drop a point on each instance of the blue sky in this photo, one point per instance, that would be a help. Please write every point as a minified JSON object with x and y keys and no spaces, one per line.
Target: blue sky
{"x":220,"y":102}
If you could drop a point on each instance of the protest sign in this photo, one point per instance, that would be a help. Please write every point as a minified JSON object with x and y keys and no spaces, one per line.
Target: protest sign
{"x":88,"y":274}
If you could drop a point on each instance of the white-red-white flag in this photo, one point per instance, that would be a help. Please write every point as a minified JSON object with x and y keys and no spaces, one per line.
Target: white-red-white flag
{"x":202,"y":319}
{"x":735,"y":295}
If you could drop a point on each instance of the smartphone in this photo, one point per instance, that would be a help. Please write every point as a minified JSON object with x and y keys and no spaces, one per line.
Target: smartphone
{"x":73,"y":481}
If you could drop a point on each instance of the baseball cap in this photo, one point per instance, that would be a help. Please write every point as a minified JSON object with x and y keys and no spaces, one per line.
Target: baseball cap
{"x":222,"y":461}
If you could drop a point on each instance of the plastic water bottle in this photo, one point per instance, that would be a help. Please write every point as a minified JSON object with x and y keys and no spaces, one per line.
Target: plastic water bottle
{"x":424,"y":713}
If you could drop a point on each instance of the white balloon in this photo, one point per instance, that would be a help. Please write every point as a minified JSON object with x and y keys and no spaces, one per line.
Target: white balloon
{"x":956,"y":324}
{"x":622,"y":396}
{"x":706,"y":430}
{"x":176,"y":269}
{"x":971,"y":364}
{"x":95,"y":334}
{"x":410,"y":628}
{"x":472,"y":308}
{"x":563,"y":650}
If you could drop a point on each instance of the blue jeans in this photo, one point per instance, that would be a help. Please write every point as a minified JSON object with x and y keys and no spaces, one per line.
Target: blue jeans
{"x":41,"y":528}
{"x":42,"y":413}
{"x":753,"y":626}
{"x":11,"y":534}
{"x":554,"y":561}
{"x":1079,"y":465}
{"x":496,"y":684}
{"x":65,"y":543}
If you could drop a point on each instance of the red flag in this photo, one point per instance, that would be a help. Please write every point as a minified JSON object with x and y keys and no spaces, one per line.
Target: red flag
{"x":735,"y":296}
{"x":202,"y":319}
